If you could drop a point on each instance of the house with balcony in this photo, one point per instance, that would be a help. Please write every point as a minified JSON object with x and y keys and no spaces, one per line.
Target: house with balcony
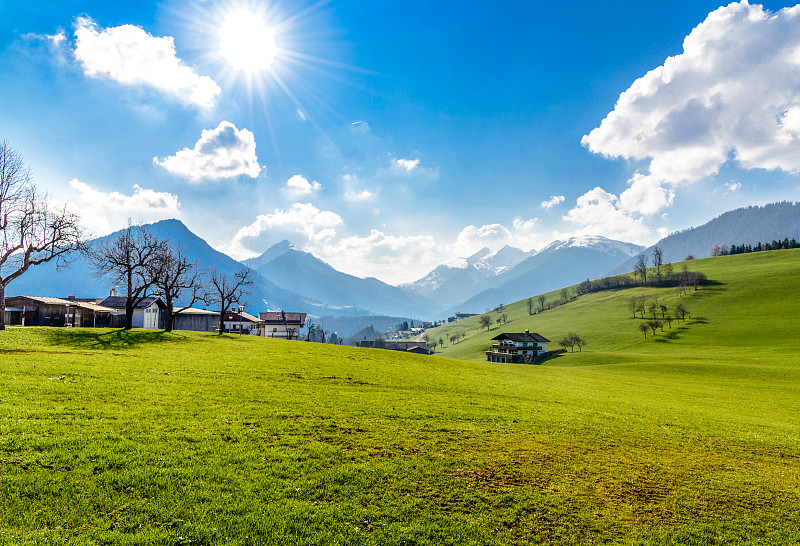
{"x":282,"y":325}
{"x":515,"y":348}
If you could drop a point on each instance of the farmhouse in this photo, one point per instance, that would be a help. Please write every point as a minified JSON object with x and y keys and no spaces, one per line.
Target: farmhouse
{"x":149,"y":313}
{"x":242,"y":322}
{"x":516,"y":348}
{"x":282,"y":325}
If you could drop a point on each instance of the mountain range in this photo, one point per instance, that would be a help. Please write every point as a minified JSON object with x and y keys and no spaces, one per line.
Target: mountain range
{"x":288,"y":278}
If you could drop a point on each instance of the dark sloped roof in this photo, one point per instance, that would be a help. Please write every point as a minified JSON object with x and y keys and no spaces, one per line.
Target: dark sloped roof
{"x":118,"y":302}
{"x":276,"y":317}
{"x":524,"y":336}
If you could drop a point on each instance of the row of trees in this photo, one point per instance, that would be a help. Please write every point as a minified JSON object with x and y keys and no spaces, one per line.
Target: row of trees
{"x":725,"y":250}
{"x":681,"y":312}
{"x":146,"y":264}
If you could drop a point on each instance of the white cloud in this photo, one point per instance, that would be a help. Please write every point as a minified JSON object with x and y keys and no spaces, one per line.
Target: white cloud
{"x":103,"y":212}
{"x":129,"y":55}
{"x":224,"y":152}
{"x":297,"y":184}
{"x":471,"y":239}
{"x":406,"y":165}
{"x":598,"y":212}
{"x":353,"y":190}
{"x":645,"y":195}
{"x":302,"y":223}
{"x":552,"y":202}
{"x":733,"y":186}
{"x":734,"y":92}
{"x":355,"y":196}
{"x":390,"y":258}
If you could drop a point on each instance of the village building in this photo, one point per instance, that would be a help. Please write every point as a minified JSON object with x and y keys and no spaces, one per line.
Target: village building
{"x":240,"y":322}
{"x":514,"y":348}
{"x":196,"y":320}
{"x":282,"y":325}
{"x":420,"y":347}
{"x":149,"y":313}
{"x":47,"y":311}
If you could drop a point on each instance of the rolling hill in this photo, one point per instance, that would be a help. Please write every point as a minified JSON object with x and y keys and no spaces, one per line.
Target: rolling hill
{"x":749,"y":225}
{"x":686,"y":437}
{"x":735,"y":313}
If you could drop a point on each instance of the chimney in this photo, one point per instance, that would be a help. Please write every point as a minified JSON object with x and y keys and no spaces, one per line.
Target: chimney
{"x":113,"y":292}
{"x":283,"y":316}
{"x":72,"y":298}
{"x":526,"y":331}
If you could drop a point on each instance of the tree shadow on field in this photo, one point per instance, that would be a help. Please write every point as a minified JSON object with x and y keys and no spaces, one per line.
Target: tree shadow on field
{"x":108,"y":339}
{"x":672,"y":334}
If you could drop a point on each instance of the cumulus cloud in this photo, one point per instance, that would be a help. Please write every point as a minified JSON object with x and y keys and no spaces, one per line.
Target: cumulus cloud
{"x":733,"y":186}
{"x":302,"y":223}
{"x":103,"y":212}
{"x":645,"y":195}
{"x":598,"y":212}
{"x":224,"y":152}
{"x":130,"y":55}
{"x":297,"y":184}
{"x":734,"y":92}
{"x":406,"y":165}
{"x":552,"y":202}
{"x":471,"y":238}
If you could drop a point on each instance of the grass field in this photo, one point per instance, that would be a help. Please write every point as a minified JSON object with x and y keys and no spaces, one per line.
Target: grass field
{"x":687,"y":437}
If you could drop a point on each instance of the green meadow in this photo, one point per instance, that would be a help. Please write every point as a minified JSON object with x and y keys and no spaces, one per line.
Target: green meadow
{"x":690,"y":436}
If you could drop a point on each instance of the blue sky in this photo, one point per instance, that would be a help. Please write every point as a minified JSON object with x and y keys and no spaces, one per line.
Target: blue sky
{"x":387,"y":137}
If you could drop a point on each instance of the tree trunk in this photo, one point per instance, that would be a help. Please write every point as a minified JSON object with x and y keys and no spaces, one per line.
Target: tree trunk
{"x":221,"y":322}
{"x":128,"y":315}
{"x":170,"y":316}
{"x":2,"y":306}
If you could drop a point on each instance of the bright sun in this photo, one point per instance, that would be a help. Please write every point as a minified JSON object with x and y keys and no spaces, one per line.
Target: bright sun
{"x":247,"y":42}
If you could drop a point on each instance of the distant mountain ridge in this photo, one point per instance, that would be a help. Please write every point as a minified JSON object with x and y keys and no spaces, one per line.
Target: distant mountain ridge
{"x":561,"y":263}
{"x":748,"y":225}
{"x":77,"y":278}
{"x":291,"y":268}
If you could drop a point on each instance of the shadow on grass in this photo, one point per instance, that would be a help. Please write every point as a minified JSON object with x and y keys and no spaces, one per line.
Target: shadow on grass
{"x":108,"y":339}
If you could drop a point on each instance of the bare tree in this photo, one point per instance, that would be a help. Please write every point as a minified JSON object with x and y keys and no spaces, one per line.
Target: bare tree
{"x":541,"y":299}
{"x":564,"y":294}
{"x":681,"y":311}
{"x":178,"y":279}
{"x":32,"y":230}
{"x":640,"y":268}
{"x":432,"y":344}
{"x":658,"y":260}
{"x":530,"y":306}
{"x":130,"y":259}
{"x":633,"y":305}
{"x":224,"y":291}
{"x":643,"y":328}
{"x":577,"y":340}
